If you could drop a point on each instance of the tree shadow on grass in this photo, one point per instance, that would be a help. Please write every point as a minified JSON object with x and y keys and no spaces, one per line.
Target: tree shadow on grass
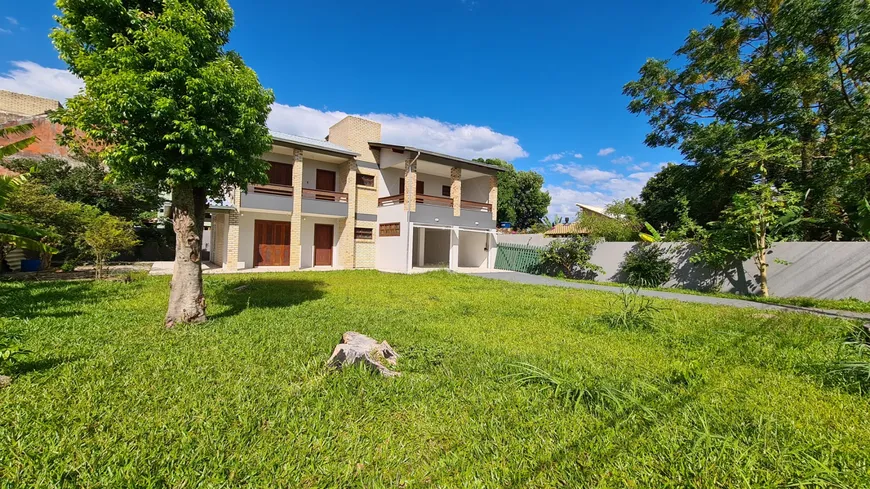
{"x":261,"y":293}
{"x":42,"y":299}
{"x":42,"y":364}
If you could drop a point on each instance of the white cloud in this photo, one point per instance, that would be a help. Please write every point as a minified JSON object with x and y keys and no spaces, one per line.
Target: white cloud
{"x":33,"y":79}
{"x":578,"y":156}
{"x":622,"y":160}
{"x":605,"y":151}
{"x":12,"y":20}
{"x":596,"y":192}
{"x":553,"y":157}
{"x":463,"y":140}
{"x":585,"y":175}
{"x":636,"y":167}
{"x":5,"y":31}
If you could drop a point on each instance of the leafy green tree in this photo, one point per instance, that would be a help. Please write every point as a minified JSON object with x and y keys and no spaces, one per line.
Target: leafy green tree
{"x":171,"y":107}
{"x":621,"y":222}
{"x":62,"y":223}
{"x":91,"y":183}
{"x":521,"y":199}
{"x":107,"y":235}
{"x":15,"y":230}
{"x":796,"y":70}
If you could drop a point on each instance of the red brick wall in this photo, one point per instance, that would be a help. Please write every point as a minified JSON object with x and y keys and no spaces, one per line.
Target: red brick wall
{"x":43,"y":129}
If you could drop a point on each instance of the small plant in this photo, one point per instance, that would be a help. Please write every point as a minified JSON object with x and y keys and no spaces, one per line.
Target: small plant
{"x":107,"y":235}
{"x":587,"y":391}
{"x":852,"y":368}
{"x":10,"y":351}
{"x":68,"y":266}
{"x":631,"y":311}
{"x":570,"y":258}
{"x":647,"y":265}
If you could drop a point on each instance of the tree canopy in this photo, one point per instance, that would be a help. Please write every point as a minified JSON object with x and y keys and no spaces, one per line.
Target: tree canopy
{"x":169,"y":106}
{"x":792,"y":75}
{"x":521,"y":198}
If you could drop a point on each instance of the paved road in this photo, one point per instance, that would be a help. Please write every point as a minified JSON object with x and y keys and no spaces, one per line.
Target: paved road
{"x":525,"y":278}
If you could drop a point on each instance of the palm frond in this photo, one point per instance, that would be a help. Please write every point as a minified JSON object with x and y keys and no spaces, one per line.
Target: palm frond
{"x":26,"y":243}
{"x":13,"y":130}
{"x":12,"y":148}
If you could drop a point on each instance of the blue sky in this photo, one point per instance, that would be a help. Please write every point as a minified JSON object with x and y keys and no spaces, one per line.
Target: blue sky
{"x":536,"y":83}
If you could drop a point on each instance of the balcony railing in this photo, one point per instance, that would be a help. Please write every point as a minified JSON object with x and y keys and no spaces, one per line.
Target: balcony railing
{"x":433,"y":200}
{"x":314,"y":194}
{"x":274,"y":189}
{"x":480,"y":206}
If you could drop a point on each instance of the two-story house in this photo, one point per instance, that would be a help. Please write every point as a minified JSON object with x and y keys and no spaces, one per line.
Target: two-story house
{"x":352,"y":201}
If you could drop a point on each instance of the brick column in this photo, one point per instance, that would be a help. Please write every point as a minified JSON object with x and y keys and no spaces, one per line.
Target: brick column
{"x":456,"y":189}
{"x":296,"y":217}
{"x":410,"y":184}
{"x":232,"y":262}
{"x":493,"y":195}
{"x":346,"y":228}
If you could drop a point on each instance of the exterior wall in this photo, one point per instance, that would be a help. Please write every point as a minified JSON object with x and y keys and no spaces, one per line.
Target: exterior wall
{"x":432,"y":183}
{"x":525,"y":239}
{"x":355,"y":134}
{"x":443,"y":216}
{"x":308,"y":223}
{"x":309,"y":172}
{"x":365,"y":250}
{"x":437,"y":246}
{"x":43,"y":129}
{"x":25,"y":105}
{"x":473,"y":249}
{"x":389,"y":159}
{"x":476,"y":189}
{"x":392,"y":252}
{"x":389,"y":181}
{"x":246,"y":233}
{"x":296,"y":217}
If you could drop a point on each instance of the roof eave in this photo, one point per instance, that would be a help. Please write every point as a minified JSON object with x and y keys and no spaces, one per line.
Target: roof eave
{"x":310,"y":147}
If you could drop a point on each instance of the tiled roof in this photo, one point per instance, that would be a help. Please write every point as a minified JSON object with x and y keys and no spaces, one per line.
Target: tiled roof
{"x":311,"y":143}
{"x":563,"y":229}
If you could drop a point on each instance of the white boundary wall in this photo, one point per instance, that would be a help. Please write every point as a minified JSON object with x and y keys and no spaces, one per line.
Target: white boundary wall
{"x":825,"y":270}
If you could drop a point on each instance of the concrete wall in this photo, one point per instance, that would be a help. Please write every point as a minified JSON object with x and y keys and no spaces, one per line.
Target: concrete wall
{"x":825,"y":270}
{"x":392,"y":252}
{"x":473,"y":249}
{"x":309,"y":172}
{"x":476,"y":189}
{"x":389,"y":182}
{"x":437,"y":246}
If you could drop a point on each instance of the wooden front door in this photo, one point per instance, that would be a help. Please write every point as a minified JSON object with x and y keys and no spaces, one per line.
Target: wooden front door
{"x":325,"y":180}
{"x":323,"y":245}
{"x":271,"y":243}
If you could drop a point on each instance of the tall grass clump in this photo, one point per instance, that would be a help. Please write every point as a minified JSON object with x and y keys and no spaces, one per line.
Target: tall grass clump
{"x":631,"y":311}
{"x":851,"y":368}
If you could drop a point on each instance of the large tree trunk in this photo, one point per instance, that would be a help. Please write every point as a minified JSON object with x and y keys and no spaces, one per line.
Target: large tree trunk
{"x":186,"y":300}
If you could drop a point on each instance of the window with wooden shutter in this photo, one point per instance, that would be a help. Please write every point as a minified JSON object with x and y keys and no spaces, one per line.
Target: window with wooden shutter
{"x":363,"y":233}
{"x":365,"y":180}
{"x":280,"y":174}
{"x":389,"y":229}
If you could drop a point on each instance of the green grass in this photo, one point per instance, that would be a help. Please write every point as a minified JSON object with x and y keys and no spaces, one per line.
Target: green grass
{"x":503,"y":385}
{"x":851,"y":304}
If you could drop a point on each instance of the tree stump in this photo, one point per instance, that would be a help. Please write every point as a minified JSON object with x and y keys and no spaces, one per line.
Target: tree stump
{"x":5,"y":381}
{"x":359,"y":348}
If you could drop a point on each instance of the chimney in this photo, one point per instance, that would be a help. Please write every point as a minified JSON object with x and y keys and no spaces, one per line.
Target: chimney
{"x":355,"y":133}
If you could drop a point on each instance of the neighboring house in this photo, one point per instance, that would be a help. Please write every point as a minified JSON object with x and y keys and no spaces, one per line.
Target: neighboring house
{"x":591,"y":209}
{"x":351,"y":201}
{"x":565,"y":231}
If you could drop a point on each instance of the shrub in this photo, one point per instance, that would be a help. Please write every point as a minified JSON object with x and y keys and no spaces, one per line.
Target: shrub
{"x":570,"y":258}
{"x":647,"y":265}
{"x":107,"y":235}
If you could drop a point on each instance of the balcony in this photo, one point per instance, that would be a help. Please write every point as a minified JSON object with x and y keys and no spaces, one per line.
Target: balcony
{"x":324,"y":203}
{"x":270,"y":197}
{"x":439,"y":210}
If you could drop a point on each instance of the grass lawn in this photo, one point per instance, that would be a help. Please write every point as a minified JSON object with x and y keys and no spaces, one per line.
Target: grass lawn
{"x":707,"y":397}
{"x":851,"y":304}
